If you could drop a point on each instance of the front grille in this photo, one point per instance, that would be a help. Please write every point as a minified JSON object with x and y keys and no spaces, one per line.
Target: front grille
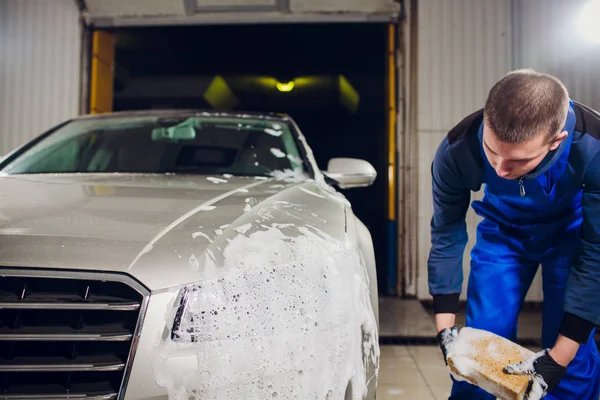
{"x":67,"y":337}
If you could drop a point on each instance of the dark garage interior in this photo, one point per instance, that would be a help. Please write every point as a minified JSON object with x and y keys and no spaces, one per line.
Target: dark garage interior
{"x":298,"y":69}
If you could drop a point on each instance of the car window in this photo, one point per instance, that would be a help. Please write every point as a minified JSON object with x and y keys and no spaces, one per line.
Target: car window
{"x":196,"y":145}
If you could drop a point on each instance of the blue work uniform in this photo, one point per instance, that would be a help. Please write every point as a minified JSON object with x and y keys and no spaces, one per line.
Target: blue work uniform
{"x":549,"y":217}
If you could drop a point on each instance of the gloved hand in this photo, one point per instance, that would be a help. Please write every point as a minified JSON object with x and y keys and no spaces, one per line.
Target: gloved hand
{"x":545,"y":374}
{"x":446,"y":339}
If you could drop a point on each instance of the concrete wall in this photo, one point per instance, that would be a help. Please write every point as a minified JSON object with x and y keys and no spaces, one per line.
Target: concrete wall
{"x":40,"y":45}
{"x":465,"y":46}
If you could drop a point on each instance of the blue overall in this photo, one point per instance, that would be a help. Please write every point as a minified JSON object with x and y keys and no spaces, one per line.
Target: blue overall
{"x":517,"y":234}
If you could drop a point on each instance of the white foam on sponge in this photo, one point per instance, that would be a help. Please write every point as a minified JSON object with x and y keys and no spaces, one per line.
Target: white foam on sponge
{"x":462,"y":352}
{"x":286,"y":314}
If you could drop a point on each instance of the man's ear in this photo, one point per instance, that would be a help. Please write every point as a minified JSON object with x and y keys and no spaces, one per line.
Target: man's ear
{"x":558,"y":139}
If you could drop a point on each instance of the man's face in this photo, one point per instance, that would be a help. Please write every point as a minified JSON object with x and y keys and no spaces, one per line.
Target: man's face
{"x":511,"y":160}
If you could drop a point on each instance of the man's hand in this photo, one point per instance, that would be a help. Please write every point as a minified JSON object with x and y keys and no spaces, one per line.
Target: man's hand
{"x":544,"y":371}
{"x":446,"y":338}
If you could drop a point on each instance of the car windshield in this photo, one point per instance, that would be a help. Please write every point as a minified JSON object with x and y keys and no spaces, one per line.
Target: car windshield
{"x":194,"y":145}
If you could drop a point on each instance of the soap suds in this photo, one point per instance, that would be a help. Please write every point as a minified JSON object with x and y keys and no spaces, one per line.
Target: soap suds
{"x":216,"y":180}
{"x":195,"y":264}
{"x":282,"y":226}
{"x":294,"y":159}
{"x":196,"y":235}
{"x":244,"y":228}
{"x":289,"y":175}
{"x":395,"y":392}
{"x":278,"y":153}
{"x":466,"y":357}
{"x":284,"y":313}
{"x":273,"y":132}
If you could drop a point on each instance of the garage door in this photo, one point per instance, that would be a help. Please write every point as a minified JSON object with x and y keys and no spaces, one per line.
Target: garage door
{"x":107,"y":13}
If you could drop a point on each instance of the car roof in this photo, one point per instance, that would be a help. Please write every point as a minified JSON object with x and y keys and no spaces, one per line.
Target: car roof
{"x":188,"y":113}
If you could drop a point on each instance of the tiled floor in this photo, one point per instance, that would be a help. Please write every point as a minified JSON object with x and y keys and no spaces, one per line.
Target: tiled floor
{"x":412,"y":372}
{"x":419,"y":372}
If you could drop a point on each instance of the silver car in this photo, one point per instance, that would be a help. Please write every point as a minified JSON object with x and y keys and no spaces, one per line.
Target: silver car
{"x":183,"y":255}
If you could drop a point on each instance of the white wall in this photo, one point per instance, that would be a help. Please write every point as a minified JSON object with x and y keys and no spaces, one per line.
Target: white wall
{"x":551,"y":42}
{"x":465,"y":46}
{"x":40,"y":44}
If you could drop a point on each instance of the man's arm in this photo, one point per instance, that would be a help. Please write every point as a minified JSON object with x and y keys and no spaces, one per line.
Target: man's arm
{"x":582,"y":299}
{"x":451,"y":198}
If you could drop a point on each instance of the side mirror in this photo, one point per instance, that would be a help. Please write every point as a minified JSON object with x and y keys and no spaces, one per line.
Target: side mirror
{"x":350,"y":172}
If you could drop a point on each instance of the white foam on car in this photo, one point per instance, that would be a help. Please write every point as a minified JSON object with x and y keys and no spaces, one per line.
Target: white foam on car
{"x":273,"y":132}
{"x":244,"y":228}
{"x":196,"y":235}
{"x":294,"y":159}
{"x":194,"y":263}
{"x":289,"y":175}
{"x":216,"y":180}
{"x":278,"y":153}
{"x":282,"y":315}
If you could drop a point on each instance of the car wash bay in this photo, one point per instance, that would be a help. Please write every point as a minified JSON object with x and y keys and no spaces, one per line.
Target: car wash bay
{"x":331,"y":78}
{"x":193,"y":59}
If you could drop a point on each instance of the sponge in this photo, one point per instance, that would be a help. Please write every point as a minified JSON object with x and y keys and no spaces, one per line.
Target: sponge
{"x":479,"y":357}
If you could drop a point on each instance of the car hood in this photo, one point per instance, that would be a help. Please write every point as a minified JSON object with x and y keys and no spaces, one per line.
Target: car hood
{"x":155,"y":228}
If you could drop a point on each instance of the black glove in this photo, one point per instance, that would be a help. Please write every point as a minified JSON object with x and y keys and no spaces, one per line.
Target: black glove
{"x":446,"y":339}
{"x":545,"y":374}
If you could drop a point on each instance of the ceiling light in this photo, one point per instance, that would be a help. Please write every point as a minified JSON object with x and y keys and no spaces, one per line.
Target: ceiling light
{"x":587,"y":22}
{"x":285,"y":87}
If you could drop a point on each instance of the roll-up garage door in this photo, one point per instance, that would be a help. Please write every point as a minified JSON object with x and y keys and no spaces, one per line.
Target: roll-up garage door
{"x":119,"y":13}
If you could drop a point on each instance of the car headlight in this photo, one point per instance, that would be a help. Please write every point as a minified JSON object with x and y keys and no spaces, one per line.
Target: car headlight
{"x":202,"y":314}
{"x":179,"y":333}
{"x":251,"y":303}
{"x":213,"y":310}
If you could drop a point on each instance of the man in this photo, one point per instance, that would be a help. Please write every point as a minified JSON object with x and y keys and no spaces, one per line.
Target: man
{"x":538,"y":154}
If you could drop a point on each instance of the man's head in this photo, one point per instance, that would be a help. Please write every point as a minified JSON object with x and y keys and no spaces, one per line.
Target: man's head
{"x":523,"y":119}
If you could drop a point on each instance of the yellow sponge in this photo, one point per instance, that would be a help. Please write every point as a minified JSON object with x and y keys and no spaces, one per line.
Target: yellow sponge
{"x":479,"y":357}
